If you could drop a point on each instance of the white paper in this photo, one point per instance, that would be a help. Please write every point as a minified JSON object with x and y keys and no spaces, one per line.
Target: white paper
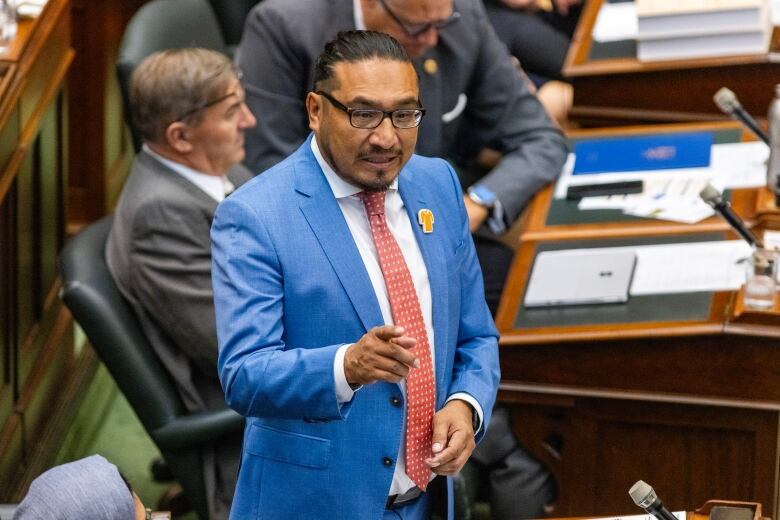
{"x":732,"y":165}
{"x":690,"y":267}
{"x":771,"y":239}
{"x":676,"y":209}
{"x":616,"y":22}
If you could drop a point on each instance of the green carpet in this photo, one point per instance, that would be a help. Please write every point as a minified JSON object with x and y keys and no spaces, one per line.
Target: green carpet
{"x":120,"y":438}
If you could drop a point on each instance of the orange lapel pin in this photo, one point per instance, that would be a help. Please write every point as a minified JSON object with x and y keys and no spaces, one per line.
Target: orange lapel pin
{"x":425,"y":218}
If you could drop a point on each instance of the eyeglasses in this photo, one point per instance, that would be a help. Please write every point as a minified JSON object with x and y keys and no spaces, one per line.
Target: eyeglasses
{"x":203,"y":106}
{"x":416,"y":29}
{"x":157,"y":515}
{"x":368,"y":118}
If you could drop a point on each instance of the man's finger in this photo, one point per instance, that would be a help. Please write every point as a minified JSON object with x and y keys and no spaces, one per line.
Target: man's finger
{"x":404,"y":341}
{"x":438,"y":439}
{"x":388,"y":332}
{"x":403,"y":354}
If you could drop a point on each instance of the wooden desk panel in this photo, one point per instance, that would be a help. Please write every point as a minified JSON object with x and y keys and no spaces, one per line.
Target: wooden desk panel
{"x":623,"y":90}
{"x":688,"y":402}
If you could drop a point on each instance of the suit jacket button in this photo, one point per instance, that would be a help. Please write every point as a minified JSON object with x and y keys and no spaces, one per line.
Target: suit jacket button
{"x":387,"y":461}
{"x":395,"y":400}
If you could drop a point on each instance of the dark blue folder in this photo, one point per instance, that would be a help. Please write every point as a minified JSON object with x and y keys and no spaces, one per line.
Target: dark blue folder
{"x":657,"y":152}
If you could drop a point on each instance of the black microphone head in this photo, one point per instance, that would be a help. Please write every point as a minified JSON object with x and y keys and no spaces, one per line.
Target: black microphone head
{"x":726,"y":100}
{"x":642,"y":494}
{"x":711,"y":196}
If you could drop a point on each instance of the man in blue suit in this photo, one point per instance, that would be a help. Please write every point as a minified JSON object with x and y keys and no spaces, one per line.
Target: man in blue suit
{"x":348,"y":295}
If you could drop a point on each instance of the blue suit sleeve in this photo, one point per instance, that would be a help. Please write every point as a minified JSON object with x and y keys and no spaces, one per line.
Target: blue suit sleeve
{"x":261,"y":375}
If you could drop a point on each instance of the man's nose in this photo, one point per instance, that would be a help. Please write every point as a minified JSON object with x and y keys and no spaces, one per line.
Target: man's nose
{"x":384,"y":135}
{"x":429,"y":37}
{"x":248,"y":119}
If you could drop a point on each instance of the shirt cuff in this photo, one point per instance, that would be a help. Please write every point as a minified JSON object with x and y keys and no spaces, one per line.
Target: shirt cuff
{"x":344,"y":392}
{"x":463,"y":396}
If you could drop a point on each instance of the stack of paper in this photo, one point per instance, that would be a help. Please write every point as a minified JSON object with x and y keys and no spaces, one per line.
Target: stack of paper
{"x":675,"y":29}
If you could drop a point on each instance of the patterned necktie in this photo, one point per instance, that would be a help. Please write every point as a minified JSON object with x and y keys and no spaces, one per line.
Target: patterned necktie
{"x":406,"y":311}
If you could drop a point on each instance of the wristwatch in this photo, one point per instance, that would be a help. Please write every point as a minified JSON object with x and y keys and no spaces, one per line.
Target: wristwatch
{"x":483,"y":196}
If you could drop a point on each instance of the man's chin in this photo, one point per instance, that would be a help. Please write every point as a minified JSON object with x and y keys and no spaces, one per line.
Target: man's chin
{"x":378,"y":181}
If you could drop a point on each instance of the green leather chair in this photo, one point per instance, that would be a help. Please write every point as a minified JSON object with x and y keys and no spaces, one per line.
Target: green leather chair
{"x":231,"y":15}
{"x":88,"y":290}
{"x":160,"y":25}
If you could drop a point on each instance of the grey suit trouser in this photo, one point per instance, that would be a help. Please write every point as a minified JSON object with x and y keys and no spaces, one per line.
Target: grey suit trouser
{"x":519,"y":486}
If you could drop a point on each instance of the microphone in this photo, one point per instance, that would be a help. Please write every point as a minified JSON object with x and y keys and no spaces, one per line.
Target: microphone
{"x":644,"y":496}
{"x":714,"y":198}
{"x":729,"y":104}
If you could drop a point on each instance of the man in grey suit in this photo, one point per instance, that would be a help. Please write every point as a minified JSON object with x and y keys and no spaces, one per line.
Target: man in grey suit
{"x":475,"y":99}
{"x":188,"y":105}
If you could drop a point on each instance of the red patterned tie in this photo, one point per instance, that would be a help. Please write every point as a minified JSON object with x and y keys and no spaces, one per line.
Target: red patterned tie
{"x":406,"y":311}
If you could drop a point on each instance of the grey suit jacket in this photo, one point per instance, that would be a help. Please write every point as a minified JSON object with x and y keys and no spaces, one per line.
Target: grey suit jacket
{"x":159,"y":254}
{"x":277,"y":54}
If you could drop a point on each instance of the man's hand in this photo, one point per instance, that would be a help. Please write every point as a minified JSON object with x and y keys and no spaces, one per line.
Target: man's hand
{"x":453,"y":438}
{"x":382,"y":354}
{"x":530,"y":5}
{"x":564,"y":6}
{"x":477,"y":214}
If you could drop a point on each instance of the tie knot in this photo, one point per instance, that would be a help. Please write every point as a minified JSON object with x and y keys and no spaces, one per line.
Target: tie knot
{"x":374,"y":201}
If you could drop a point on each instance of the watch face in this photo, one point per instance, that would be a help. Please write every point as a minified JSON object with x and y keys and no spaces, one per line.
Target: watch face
{"x":482,"y":195}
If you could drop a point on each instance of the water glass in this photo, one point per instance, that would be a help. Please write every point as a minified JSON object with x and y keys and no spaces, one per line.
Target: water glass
{"x":8,"y":22}
{"x":761,"y":279}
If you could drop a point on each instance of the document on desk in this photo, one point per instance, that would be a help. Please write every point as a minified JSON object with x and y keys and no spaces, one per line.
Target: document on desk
{"x":690,"y":267}
{"x":671,"y":194}
{"x":679,"y":515}
{"x":615,"y":22}
{"x":732,"y":165}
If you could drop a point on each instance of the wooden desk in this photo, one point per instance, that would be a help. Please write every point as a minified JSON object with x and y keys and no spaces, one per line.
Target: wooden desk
{"x":611,"y":86}
{"x":677,"y":390}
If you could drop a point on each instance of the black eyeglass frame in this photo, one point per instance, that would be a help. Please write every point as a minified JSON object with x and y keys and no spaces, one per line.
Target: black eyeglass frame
{"x":416,"y":29}
{"x":385,"y":113}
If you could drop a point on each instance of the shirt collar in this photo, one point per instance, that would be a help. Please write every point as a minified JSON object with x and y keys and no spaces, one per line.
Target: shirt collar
{"x":360,"y":25}
{"x":340,"y":188}
{"x":214,"y":186}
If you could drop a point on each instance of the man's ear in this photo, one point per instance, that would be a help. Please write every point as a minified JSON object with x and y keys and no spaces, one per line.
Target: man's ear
{"x":177,"y":137}
{"x":314,"y":107}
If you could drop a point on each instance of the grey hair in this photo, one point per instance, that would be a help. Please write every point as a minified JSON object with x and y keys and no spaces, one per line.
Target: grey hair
{"x":173,"y":82}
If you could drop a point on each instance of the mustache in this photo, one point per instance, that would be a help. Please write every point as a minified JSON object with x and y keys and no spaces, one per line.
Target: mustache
{"x":376,"y":150}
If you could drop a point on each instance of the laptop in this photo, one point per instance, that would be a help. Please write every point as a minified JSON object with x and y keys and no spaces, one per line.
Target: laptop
{"x":580,"y":277}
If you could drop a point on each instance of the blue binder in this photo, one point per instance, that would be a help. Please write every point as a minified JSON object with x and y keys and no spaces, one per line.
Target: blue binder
{"x":657,"y":152}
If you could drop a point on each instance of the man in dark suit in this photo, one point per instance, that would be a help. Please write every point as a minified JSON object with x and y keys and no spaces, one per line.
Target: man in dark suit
{"x":189,"y":107}
{"x":475,"y":98}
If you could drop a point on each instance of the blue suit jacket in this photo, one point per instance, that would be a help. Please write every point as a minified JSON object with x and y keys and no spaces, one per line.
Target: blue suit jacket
{"x":290,"y":288}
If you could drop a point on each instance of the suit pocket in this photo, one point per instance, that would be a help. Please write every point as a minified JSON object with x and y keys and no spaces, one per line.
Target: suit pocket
{"x":289,"y":447}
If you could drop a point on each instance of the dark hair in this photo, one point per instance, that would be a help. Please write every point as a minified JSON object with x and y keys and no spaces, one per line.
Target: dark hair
{"x":353,"y":46}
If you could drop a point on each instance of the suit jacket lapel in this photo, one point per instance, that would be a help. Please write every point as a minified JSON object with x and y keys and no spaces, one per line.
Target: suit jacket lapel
{"x":434,"y":257}
{"x":326,"y":220}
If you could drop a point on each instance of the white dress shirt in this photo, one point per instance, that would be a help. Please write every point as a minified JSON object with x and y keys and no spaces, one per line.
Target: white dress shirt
{"x":214,"y":186}
{"x":401,"y":227}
